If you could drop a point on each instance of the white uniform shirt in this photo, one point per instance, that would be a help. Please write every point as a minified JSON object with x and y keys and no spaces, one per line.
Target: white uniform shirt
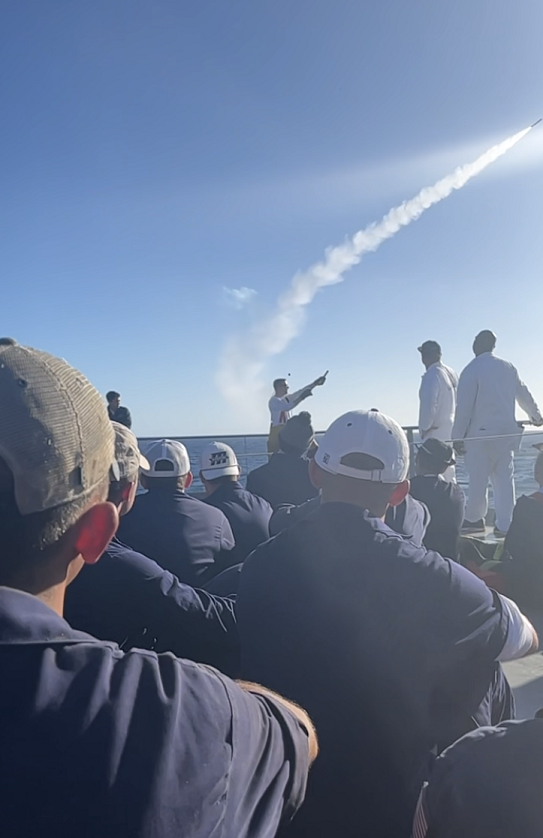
{"x":280,"y":406}
{"x":437,"y":396}
{"x":488,"y":389}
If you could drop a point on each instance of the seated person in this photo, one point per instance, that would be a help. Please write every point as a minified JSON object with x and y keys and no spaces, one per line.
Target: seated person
{"x":487,"y":785}
{"x":130,"y":599}
{"x":248,"y":514}
{"x":395,"y":649}
{"x":285,"y":478}
{"x":444,"y":498}
{"x":96,"y":741}
{"x":181,"y":533}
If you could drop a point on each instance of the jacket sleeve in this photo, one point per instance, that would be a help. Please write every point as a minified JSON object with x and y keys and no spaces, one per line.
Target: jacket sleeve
{"x":527,"y":402}
{"x":429,"y":393}
{"x":292,"y":399}
{"x":465,"y":402}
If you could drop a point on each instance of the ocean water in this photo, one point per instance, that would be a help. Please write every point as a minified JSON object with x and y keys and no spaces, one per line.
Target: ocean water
{"x":251,"y":453}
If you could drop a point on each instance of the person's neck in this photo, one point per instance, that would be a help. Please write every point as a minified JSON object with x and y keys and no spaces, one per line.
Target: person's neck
{"x":364,"y":504}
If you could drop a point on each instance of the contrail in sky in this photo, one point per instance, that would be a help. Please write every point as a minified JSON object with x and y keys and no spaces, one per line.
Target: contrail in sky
{"x":245,"y":353}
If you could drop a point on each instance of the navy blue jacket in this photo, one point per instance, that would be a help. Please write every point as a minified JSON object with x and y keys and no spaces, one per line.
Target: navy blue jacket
{"x":410,"y":518}
{"x":98,"y":742}
{"x":445,"y":501}
{"x":185,"y":536}
{"x":248,"y":514}
{"x":487,"y":785}
{"x":284,"y":479}
{"x":121,"y":415}
{"x":131,"y":600}
{"x":390,"y":648}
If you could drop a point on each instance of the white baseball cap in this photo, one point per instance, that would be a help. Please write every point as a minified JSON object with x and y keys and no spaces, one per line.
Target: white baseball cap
{"x":218,"y":460}
{"x":167,"y":458}
{"x":366,"y":432}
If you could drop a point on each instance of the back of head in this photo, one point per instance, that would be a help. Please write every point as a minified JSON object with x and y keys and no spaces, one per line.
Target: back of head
{"x":297,"y":434}
{"x":434,"y":457}
{"x":169,"y":466}
{"x":56,"y":451}
{"x":218,"y":462}
{"x":129,"y":461}
{"x":484,"y":342}
{"x":364,"y":456}
{"x":488,"y":785}
{"x":430,"y":351}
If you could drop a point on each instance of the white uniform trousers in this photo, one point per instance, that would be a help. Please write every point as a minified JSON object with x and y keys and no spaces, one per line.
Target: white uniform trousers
{"x":491,"y":459}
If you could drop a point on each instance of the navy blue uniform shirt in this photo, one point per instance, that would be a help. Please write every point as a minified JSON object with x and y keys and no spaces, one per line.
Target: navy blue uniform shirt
{"x":184,"y":535}
{"x":489,"y":784}
{"x":248,"y":514}
{"x":445,"y":501}
{"x":130,"y":599}
{"x":121,"y":415}
{"x":96,"y":742}
{"x":383,"y":642}
{"x":284,"y":479}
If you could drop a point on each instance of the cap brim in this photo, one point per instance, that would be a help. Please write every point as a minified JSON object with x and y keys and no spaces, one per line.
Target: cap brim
{"x":451,"y":462}
{"x":144,"y":463}
{"x":226,"y":471}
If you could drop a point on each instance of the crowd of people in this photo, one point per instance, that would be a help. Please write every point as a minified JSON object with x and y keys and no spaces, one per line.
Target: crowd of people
{"x":158,"y":648}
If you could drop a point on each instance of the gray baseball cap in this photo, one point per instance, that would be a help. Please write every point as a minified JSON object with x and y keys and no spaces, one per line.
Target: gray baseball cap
{"x":55,"y":434}
{"x":127,"y":453}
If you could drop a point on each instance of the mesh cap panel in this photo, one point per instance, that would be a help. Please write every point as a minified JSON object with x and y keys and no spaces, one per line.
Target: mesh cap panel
{"x":55,"y":433}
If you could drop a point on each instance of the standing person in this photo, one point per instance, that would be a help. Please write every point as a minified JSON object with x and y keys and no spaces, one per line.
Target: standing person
{"x":488,"y":390}
{"x":96,"y":742}
{"x":281,"y":404}
{"x":444,"y":498}
{"x":393,"y":649}
{"x":118,"y":413}
{"x":437,"y":397}
{"x":181,"y":533}
{"x":285,"y":478}
{"x":248,"y":514}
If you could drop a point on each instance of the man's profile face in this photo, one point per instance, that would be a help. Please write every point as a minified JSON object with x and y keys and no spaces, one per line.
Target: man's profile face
{"x":115,"y":402}
{"x":282,"y":388}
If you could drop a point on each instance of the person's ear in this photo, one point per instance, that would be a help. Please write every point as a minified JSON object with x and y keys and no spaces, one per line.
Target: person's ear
{"x":188,"y":480}
{"x":315,"y":474}
{"x":399,"y":493}
{"x":94,"y":531}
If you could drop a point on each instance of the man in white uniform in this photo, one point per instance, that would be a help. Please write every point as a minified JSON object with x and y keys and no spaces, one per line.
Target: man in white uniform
{"x":282,"y":402}
{"x":485,"y":417}
{"x":437,"y":397}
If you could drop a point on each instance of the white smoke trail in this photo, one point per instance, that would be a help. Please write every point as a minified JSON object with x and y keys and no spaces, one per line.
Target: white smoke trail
{"x":244,"y":355}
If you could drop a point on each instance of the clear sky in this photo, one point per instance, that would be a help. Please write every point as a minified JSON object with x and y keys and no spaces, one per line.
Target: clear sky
{"x":155,"y":153}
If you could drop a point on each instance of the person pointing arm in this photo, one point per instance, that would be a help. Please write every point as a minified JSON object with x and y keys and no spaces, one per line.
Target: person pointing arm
{"x":282,"y":402}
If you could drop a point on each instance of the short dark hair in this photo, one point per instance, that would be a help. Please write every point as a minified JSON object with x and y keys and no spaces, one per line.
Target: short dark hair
{"x":166,"y":485}
{"x":28,"y":539}
{"x":112,"y":394}
{"x":279,"y":381}
{"x":224,"y":478}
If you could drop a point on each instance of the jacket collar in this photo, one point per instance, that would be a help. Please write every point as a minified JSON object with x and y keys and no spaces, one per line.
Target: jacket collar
{"x":24,"y":619}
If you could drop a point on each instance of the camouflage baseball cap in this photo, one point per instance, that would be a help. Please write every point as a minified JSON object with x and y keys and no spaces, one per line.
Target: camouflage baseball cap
{"x":55,"y":435}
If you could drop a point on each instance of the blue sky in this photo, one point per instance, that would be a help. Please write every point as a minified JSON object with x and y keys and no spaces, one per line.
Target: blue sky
{"x":154,"y":153}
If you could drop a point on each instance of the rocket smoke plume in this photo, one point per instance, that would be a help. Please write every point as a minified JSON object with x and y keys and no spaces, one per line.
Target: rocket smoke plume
{"x":245,"y":354}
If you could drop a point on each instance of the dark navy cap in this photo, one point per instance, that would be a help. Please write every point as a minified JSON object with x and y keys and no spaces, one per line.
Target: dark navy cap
{"x":487,"y":785}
